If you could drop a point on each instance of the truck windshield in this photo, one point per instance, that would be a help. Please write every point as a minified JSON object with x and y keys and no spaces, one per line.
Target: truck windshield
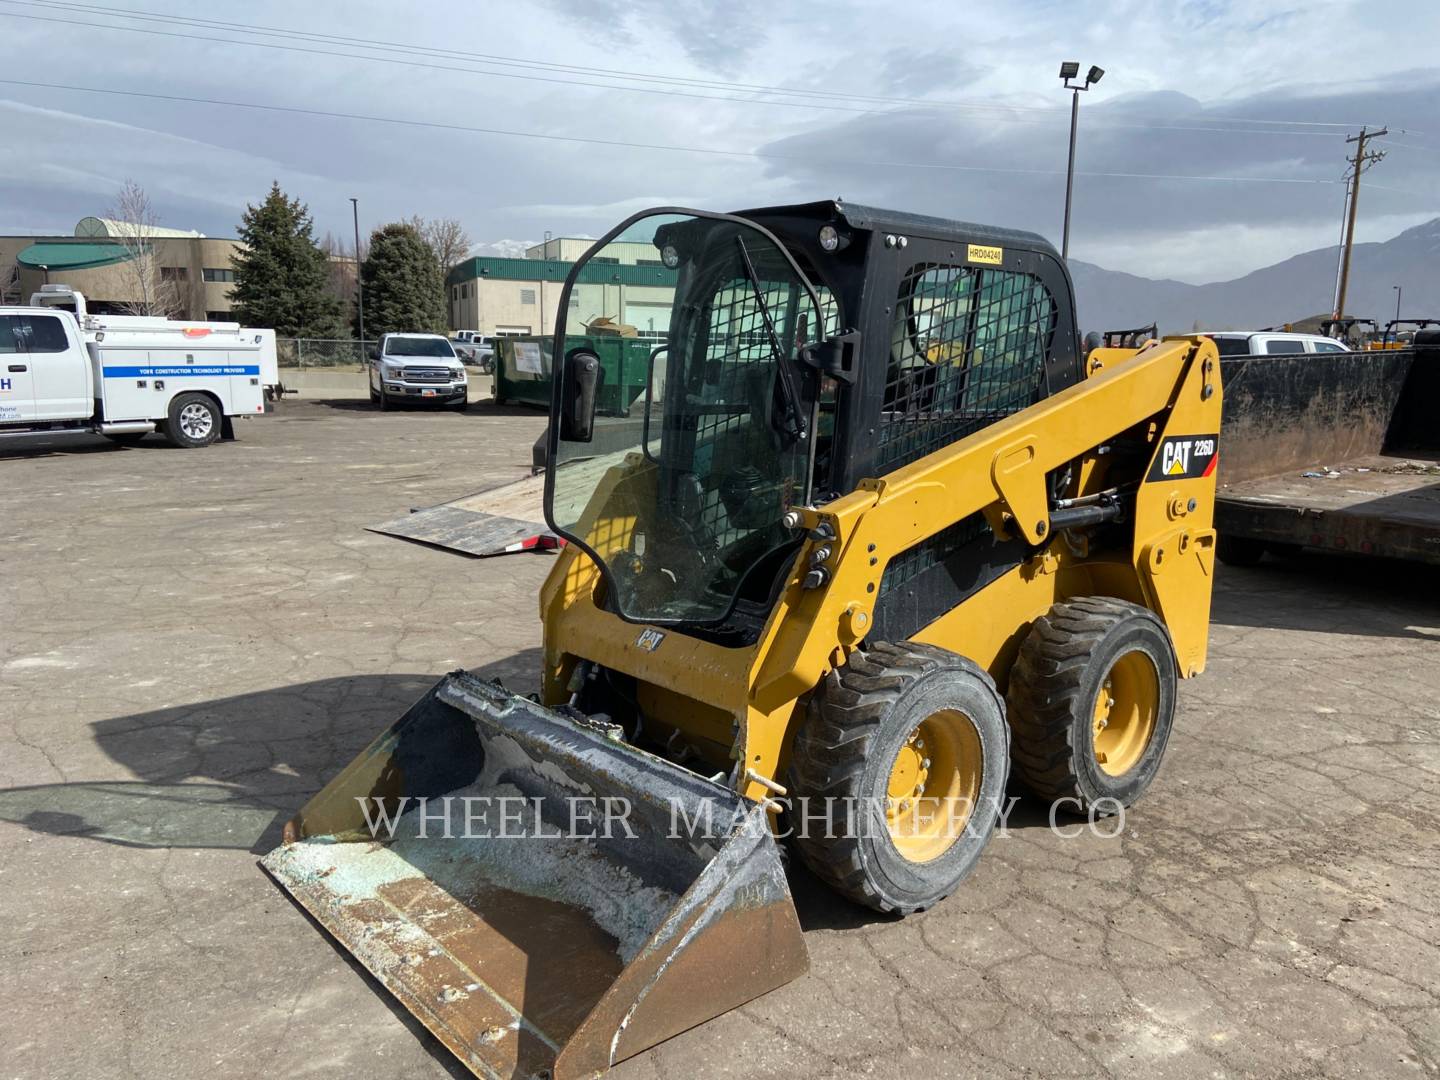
{"x":702,"y":435}
{"x":418,"y":346}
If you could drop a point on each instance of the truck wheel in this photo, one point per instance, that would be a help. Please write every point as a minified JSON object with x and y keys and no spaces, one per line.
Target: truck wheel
{"x":1239,"y":550}
{"x":462,"y":403}
{"x":374,"y":396}
{"x":905,"y":751}
{"x":1092,"y":701}
{"x":194,"y":420}
{"x":384,"y":400}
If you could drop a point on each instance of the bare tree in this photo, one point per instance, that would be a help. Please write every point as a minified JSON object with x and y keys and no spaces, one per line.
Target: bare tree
{"x":344,"y":270}
{"x":147,"y":292}
{"x":445,"y":236}
{"x":10,"y":284}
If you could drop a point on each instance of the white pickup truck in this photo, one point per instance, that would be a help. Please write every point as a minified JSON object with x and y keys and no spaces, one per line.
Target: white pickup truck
{"x":123,"y":376}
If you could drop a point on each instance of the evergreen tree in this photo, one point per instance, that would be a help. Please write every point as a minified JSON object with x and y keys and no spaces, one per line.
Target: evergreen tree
{"x":281,"y":276}
{"x":403,"y":284}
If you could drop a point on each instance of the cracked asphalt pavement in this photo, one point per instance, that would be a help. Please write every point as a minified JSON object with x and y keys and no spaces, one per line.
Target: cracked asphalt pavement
{"x":194,"y":641}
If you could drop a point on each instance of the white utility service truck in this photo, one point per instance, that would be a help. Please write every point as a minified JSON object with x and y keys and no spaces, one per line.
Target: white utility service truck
{"x":124,"y":377}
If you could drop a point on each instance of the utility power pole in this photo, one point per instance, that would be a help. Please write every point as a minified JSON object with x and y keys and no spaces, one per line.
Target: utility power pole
{"x":1362,"y":160}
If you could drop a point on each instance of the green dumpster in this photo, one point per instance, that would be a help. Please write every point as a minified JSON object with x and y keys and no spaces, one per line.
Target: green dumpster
{"x":523,"y":367}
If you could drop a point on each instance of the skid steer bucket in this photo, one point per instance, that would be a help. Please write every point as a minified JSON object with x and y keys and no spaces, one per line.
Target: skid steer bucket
{"x":545,"y":898}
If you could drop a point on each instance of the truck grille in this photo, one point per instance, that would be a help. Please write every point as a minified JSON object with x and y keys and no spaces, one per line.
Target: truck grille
{"x":427,"y":375}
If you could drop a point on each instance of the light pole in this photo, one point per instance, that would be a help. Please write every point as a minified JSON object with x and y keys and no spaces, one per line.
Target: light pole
{"x":1069,"y":71}
{"x":359,"y":292}
{"x":1399,"y":292}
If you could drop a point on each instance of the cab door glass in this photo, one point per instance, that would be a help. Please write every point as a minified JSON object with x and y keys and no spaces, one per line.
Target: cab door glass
{"x":46,"y":334}
{"x":32,"y":334}
{"x":12,"y":334}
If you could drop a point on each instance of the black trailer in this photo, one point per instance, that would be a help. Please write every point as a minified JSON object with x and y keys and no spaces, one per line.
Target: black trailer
{"x":1336,"y":451}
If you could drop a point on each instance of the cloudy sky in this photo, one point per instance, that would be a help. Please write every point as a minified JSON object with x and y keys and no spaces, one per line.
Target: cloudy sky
{"x":1212,"y":146}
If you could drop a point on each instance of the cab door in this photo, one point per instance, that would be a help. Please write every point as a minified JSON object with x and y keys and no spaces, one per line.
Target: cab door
{"x":17,"y":382}
{"x":60,"y":368}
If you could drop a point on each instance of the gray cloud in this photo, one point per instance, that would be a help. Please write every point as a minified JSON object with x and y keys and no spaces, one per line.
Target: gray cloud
{"x":714,"y":35}
{"x":202,"y":163}
{"x":914,"y":70}
{"x":1155,"y":133}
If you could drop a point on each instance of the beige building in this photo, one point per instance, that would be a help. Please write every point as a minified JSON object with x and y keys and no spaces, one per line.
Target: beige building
{"x":570,"y":248}
{"x":103,"y":262}
{"x":521,"y":296}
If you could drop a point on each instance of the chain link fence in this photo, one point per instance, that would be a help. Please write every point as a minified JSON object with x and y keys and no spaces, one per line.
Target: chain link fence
{"x":333,"y":353}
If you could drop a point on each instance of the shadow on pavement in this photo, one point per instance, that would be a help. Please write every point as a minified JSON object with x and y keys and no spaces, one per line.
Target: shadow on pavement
{"x":67,"y":444}
{"x":477,"y":407}
{"x":821,"y":908}
{"x":1337,"y":594}
{"x":230,"y":773}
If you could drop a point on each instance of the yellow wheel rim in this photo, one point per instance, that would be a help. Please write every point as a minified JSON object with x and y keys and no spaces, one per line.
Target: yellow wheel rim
{"x":1126,"y":706}
{"x":934,"y":783}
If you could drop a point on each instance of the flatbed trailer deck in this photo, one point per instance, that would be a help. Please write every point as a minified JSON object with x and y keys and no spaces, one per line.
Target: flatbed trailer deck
{"x":1374,"y":505}
{"x":1339,"y":452}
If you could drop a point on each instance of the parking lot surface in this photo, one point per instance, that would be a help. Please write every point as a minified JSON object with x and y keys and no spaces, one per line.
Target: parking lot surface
{"x":194,"y":641}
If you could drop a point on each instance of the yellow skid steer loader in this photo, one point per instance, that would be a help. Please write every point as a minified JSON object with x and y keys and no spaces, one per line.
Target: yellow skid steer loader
{"x":873,"y":532}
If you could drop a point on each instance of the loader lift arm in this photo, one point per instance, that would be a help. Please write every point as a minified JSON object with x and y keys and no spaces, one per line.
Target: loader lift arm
{"x":1002,"y":471}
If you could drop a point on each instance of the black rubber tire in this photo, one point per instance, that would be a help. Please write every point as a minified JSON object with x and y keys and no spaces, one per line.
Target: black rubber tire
{"x":175,"y":432}
{"x":462,"y":404}
{"x":1239,"y":550}
{"x":855,"y":725}
{"x":130,"y":438}
{"x":1062,"y":664}
{"x":384,"y":401}
{"x":374,"y":396}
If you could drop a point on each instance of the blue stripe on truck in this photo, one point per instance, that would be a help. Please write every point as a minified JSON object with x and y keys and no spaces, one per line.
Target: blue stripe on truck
{"x":156,"y":372}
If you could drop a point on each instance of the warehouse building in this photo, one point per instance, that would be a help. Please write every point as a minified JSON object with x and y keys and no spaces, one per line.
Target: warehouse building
{"x":499,"y":296}
{"x":190,"y":271}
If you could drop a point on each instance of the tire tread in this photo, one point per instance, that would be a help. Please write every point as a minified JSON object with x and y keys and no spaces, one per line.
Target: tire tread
{"x":833,"y":745}
{"x":1045,"y":686}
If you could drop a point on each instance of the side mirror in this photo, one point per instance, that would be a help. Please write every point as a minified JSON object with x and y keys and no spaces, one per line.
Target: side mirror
{"x":373,"y":352}
{"x":579,"y":385}
{"x":837,"y":356}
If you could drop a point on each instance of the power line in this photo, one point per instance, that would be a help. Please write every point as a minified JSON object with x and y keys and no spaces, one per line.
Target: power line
{"x":625,"y":144}
{"x":1194,"y":125}
{"x":490,"y":58}
{"x":1410,"y":146}
{"x":419,"y":64}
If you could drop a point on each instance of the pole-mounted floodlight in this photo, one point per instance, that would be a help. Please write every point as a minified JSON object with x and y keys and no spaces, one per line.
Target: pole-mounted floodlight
{"x":1069,"y":72}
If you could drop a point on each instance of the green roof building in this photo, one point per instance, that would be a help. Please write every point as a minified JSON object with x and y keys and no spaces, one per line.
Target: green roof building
{"x":516,"y":296}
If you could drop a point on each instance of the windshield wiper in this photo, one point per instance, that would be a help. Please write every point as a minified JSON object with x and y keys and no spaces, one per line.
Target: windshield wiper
{"x":791,"y":423}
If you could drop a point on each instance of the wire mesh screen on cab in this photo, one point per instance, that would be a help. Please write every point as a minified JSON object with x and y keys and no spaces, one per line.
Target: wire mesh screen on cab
{"x":738,"y":369}
{"x":968,"y":347}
